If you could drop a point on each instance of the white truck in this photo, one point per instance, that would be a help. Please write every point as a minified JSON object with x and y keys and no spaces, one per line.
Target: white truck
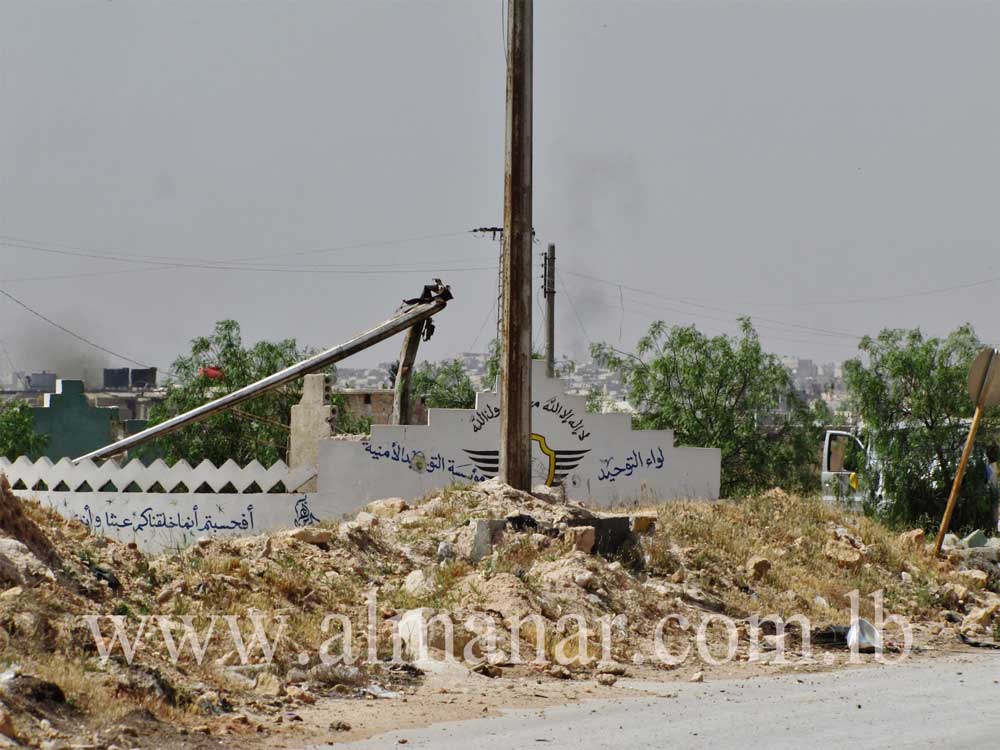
{"x":844,"y":455}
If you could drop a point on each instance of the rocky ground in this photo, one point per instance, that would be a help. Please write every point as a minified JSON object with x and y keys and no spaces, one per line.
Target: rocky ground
{"x":487,"y":556}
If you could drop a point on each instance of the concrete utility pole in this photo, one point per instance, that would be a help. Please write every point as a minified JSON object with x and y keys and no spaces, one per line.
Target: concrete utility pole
{"x":515,"y":355}
{"x":550,"y":311}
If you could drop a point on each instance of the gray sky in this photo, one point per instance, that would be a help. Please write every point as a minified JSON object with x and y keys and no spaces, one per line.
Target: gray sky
{"x":729,"y":157}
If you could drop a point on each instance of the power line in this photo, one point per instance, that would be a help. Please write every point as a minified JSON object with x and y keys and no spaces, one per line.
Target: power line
{"x":352,"y":269}
{"x":654,"y":310}
{"x":816,"y":337}
{"x":884,"y":298}
{"x":251,"y":261}
{"x":652,"y":293}
{"x":70,"y":249}
{"x":6,"y":355}
{"x":85,"y":274}
{"x":489,"y":314}
{"x":579,"y":320}
{"x":843,"y":301}
{"x":65,"y":330}
{"x":363,"y":245}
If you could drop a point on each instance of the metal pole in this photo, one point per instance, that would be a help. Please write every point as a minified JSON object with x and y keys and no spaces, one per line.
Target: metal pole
{"x":394,"y":325}
{"x":550,"y":311}
{"x":515,"y":355}
{"x":984,"y":389}
{"x":402,"y":409}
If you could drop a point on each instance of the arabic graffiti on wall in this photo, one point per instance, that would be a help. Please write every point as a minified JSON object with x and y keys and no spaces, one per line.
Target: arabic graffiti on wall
{"x":597,"y":456}
{"x":418,"y":461}
{"x":552,"y":405}
{"x":166,"y":521}
{"x":150,"y":518}
{"x":304,"y":516}
{"x":637,"y":460}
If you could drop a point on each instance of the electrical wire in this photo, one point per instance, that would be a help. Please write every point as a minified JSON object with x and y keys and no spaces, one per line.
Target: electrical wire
{"x":884,"y":298}
{"x":69,"y":249}
{"x":6,"y":354}
{"x":579,"y":320}
{"x":654,"y":311}
{"x":676,"y":300}
{"x":489,"y":314}
{"x":67,"y":331}
{"x":82,"y":275}
{"x":347,"y":270}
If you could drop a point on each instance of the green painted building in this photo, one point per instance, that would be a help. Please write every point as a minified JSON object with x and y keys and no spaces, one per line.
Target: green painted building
{"x":74,"y":426}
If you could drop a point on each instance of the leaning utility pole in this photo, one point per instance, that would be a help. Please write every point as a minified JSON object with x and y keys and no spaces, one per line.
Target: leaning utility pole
{"x":515,"y":355}
{"x":402,"y":399}
{"x":550,"y":311}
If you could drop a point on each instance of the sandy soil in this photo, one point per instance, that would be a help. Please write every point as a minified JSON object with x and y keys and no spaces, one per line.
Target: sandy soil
{"x":444,"y":698}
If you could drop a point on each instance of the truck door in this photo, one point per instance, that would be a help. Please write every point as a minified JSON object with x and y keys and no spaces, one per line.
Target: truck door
{"x":843,"y":458}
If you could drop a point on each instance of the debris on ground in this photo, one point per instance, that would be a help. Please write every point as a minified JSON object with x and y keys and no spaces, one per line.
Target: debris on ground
{"x":482,"y":555}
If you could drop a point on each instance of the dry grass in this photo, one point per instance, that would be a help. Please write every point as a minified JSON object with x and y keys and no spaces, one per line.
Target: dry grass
{"x":705,"y":544}
{"x":712,"y":542}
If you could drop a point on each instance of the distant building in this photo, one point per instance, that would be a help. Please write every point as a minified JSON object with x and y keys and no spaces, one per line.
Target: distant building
{"x":376,"y":404}
{"x":40,"y":382}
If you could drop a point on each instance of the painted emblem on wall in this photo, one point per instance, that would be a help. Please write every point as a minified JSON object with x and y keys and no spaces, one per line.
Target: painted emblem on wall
{"x":597,"y":456}
{"x":554,"y":464}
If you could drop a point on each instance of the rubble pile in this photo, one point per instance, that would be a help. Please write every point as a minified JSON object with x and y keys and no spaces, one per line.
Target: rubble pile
{"x":489,"y":557}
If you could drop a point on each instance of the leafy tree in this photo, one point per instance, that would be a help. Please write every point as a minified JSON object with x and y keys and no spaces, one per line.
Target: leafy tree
{"x":444,"y":385}
{"x":495,"y":348}
{"x":346,"y":422}
{"x":723,"y":392}
{"x":911,"y":394}
{"x":256,"y":429}
{"x":17,"y":431}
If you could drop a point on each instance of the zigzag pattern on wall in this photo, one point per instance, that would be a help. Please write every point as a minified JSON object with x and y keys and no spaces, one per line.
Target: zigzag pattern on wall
{"x":86,"y":476}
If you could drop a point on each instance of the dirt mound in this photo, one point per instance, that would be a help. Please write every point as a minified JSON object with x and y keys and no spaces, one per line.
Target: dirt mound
{"x":484,"y":550}
{"x":16,"y":525}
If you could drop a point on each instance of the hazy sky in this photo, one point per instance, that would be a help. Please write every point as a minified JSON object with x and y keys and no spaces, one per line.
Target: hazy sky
{"x":732,"y":158}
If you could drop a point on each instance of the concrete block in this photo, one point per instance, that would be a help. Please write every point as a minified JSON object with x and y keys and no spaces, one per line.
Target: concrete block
{"x":951,"y":541}
{"x":613,"y":534}
{"x":976,"y":539}
{"x":582,"y":538}
{"x":486,"y":533}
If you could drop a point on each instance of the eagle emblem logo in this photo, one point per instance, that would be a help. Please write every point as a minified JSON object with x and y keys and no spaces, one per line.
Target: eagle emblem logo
{"x":555,"y":464}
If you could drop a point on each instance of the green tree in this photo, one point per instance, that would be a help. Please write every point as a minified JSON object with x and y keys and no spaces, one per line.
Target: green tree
{"x":723,"y":392}
{"x":493,"y":363}
{"x":17,"y":431}
{"x":444,"y":385}
{"x":911,"y":394}
{"x":256,"y":429}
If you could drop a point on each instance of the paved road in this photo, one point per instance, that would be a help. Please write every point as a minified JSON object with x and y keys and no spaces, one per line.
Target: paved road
{"x":940,"y":703}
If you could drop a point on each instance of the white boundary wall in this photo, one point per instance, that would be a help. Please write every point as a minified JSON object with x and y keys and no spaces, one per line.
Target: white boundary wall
{"x":130,"y":510}
{"x":598,"y":457}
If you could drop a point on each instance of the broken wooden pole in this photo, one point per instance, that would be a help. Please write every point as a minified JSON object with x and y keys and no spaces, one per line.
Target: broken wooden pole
{"x":402,"y":403}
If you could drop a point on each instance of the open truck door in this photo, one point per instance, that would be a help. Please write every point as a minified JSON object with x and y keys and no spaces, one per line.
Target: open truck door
{"x":843,"y":457}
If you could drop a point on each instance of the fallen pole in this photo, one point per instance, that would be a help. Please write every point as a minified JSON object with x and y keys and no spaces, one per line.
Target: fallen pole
{"x":404,"y":320}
